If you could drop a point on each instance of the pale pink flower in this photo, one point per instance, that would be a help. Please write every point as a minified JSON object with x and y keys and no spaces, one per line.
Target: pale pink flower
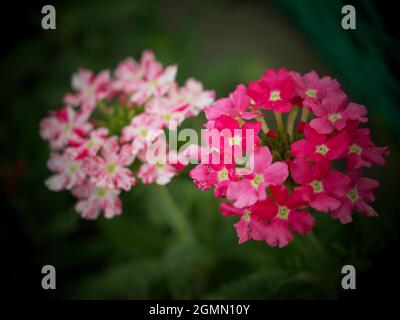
{"x":192,"y":94}
{"x":93,"y":200}
{"x":110,"y":169}
{"x":64,"y":125}
{"x":84,"y":147}
{"x":142,"y":131}
{"x":67,"y":172}
{"x":168,"y":111}
{"x":156,"y":81}
{"x":159,"y":164}
{"x":160,"y":173}
{"x":89,"y":89}
{"x":127,"y":76}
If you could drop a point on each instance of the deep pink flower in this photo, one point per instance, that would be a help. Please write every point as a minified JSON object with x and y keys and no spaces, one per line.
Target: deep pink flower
{"x":286,"y":214}
{"x":231,"y":141}
{"x":274,"y":90}
{"x":334,"y":112}
{"x":253,"y":220}
{"x":328,"y":186}
{"x":89,"y":89}
{"x":316,"y":145}
{"x":236,"y":105}
{"x":110,"y":169}
{"x":312,"y":88}
{"x":64,"y":125}
{"x":362,"y":152}
{"x":209,"y":176}
{"x":358,"y":198}
{"x":262,"y":173}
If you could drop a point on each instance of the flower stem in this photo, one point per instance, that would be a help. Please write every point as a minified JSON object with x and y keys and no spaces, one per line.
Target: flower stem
{"x":279,"y":121}
{"x":291,"y":119}
{"x":304,"y":114}
{"x":176,"y":218}
{"x":264,"y":125}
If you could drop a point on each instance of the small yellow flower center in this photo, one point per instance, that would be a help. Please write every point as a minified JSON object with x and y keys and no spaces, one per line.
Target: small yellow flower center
{"x":101,"y":192}
{"x":322,"y":149}
{"x":234,"y":141}
{"x":335,"y":116}
{"x":317,"y":186}
{"x":258,"y":179}
{"x":355,"y":149}
{"x":111,"y":167}
{"x":283,"y":212}
{"x":143,"y":132}
{"x":353,"y":195}
{"x":73,"y":167}
{"x":68,"y":127}
{"x":247,"y":215}
{"x":167,"y":117}
{"x":223,"y":174}
{"x":159,"y":165}
{"x":311,"y":93}
{"x":89,"y":144}
{"x":275,"y":95}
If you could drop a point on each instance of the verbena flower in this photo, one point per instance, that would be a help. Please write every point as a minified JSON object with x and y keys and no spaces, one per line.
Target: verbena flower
{"x":288,"y":175}
{"x":100,"y":138}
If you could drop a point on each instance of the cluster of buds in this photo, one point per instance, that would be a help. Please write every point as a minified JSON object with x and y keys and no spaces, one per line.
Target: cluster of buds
{"x":100,"y":137}
{"x":275,"y":176}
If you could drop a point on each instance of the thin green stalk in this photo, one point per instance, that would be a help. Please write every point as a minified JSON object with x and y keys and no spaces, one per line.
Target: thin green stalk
{"x":175,"y":215}
{"x":279,"y":121}
{"x":264,"y":126}
{"x":304,"y":114}
{"x":291,"y":119}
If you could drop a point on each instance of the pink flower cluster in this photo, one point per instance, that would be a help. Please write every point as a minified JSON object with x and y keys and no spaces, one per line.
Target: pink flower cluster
{"x":292,"y":169}
{"x":92,"y":159}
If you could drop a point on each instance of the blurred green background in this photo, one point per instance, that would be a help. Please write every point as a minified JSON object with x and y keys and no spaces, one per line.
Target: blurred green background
{"x":172,"y":242}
